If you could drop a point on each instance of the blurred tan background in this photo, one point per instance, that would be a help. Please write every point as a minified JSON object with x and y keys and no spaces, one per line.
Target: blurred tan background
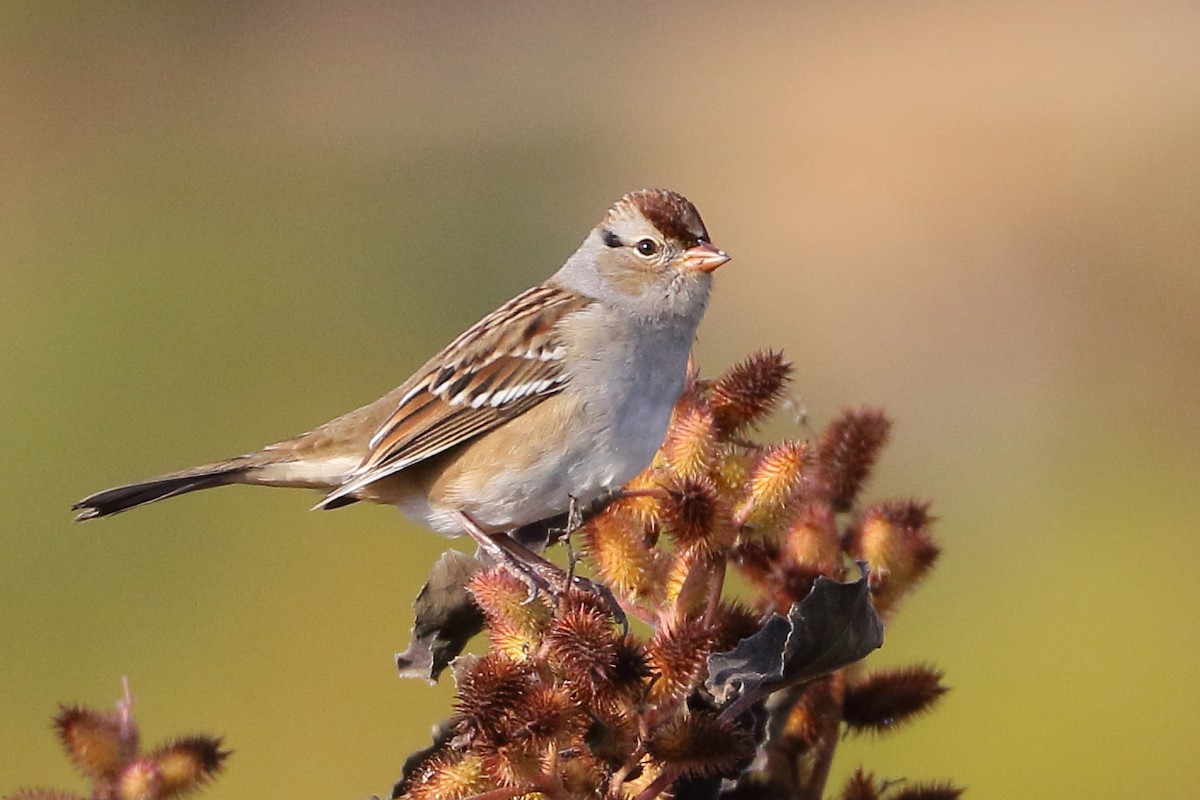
{"x":222,"y":225}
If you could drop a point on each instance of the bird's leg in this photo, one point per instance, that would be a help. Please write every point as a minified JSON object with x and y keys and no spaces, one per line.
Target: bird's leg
{"x":580,"y":514}
{"x":502,"y":549}
{"x":574,"y":523}
{"x":574,"y":515}
{"x":560,"y":580}
{"x":610,"y":496}
{"x":572,"y":559}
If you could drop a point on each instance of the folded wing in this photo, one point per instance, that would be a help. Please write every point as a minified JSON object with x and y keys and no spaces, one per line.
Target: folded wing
{"x":501,"y":367}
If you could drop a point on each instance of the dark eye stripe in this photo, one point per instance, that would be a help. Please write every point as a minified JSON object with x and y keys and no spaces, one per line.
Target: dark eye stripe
{"x":610,"y":238}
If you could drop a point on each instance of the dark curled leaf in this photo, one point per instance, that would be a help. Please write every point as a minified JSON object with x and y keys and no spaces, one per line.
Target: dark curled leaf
{"x":698,"y":789}
{"x":445,"y":618}
{"x":833,"y":626}
{"x":756,"y":661}
{"x":442,"y":734}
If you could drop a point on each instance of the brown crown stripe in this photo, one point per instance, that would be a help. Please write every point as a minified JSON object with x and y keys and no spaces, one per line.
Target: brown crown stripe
{"x":672,"y":213}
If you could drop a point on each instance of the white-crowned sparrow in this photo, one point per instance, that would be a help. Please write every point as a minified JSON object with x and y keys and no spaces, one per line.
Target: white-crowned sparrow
{"x":563,"y":393}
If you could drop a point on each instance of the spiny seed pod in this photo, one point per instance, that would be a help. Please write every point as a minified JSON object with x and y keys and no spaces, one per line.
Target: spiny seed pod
{"x":862,"y":786}
{"x":580,"y":774}
{"x":644,"y":773}
{"x":792,"y":583}
{"x":448,"y":777}
{"x":678,"y":655}
{"x":140,"y":780}
{"x":106,"y":748}
{"x":188,"y":763}
{"x":689,"y":509}
{"x":98,"y":744}
{"x":816,"y":701}
{"x":616,"y":546}
{"x":511,"y":764}
{"x":613,"y":734}
{"x":513,"y":643}
{"x":691,"y":441}
{"x":503,"y":596}
{"x":515,"y":626}
{"x":756,"y":559}
{"x":776,"y":479}
{"x":848,"y":449}
{"x":490,"y":690}
{"x":734,"y":622}
{"x":639,"y":500}
{"x":731,"y":469}
{"x":893,"y":537}
{"x":582,"y":647}
{"x":780,"y":581}
{"x":695,"y":516}
{"x":927,"y":791}
{"x":748,"y":391}
{"x":883,"y":700}
{"x":687,"y":583}
{"x":700,"y":745}
{"x":631,"y":667}
{"x":811,"y":540}
{"x":549,"y":714}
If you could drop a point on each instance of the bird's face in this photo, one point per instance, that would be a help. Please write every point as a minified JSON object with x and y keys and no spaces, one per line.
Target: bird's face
{"x":650,"y":255}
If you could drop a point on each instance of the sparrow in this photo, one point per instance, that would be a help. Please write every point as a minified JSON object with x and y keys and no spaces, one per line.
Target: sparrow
{"x":557,"y":397}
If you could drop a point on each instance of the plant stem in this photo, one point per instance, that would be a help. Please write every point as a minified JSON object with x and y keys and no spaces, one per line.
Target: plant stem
{"x":831,"y":721}
{"x":658,"y":785}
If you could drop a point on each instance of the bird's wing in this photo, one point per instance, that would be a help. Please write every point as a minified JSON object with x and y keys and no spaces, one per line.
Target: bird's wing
{"x":505,"y":364}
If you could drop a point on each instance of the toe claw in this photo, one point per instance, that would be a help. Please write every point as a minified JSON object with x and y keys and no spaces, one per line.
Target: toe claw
{"x":533,"y":593}
{"x":610,"y":600}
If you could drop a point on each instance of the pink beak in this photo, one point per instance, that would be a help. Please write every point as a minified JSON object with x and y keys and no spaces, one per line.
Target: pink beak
{"x":703,"y":258}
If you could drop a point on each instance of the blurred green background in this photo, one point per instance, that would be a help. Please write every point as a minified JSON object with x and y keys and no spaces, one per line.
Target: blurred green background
{"x":221,"y":224}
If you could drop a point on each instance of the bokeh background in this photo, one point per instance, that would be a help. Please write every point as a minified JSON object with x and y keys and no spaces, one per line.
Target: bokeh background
{"x":221,"y":224}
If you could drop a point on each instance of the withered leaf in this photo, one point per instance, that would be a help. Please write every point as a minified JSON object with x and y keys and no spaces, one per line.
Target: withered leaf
{"x":443,"y":732}
{"x":833,"y":626}
{"x":445,"y":618}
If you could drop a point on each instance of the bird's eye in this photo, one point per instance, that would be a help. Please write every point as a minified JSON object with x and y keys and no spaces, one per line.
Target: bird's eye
{"x":647,"y":247}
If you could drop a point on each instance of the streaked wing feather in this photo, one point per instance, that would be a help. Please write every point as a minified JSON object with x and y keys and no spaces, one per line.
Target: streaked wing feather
{"x":455,"y":430}
{"x":501,"y":367}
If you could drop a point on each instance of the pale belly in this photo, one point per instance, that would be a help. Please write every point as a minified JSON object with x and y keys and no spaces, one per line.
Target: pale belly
{"x":504,"y":481}
{"x":520,"y":494}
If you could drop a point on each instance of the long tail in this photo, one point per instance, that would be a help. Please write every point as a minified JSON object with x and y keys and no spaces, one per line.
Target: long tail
{"x":120,"y":498}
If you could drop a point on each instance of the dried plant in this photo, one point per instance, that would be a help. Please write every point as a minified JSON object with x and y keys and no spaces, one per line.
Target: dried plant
{"x":717,"y":693}
{"x":721,"y":693}
{"x":105,"y":746}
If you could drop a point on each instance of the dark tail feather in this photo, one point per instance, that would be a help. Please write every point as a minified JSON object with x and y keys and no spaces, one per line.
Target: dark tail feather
{"x":114,"y":501}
